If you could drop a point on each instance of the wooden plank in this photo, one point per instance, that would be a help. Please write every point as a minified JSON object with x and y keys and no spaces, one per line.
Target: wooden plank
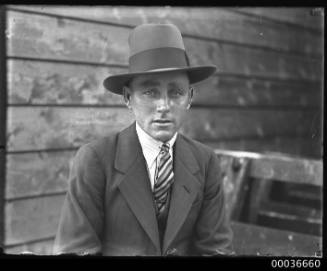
{"x":254,"y":62}
{"x":51,"y":83}
{"x":310,"y":215}
{"x":234,"y":174}
{"x":288,"y":169}
{"x":304,"y":194}
{"x":39,"y":248}
{"x":32,"y":82}
{"x":311,"y":17}
{"x":50,"y":128}
{"x":290,"y":222}
{"x":27,"y":220}
{"x":219,"y":124}
{"x":253,"y":240}
{"x":32,"y":174}
{"x":229,"y":90}
{"x":297,"y":147}
{"x":29,"y":36}
{"x":37,"y":128}
{"x":281,"y":167}
{"x":259,"y":193}
{"x":205,"y":22}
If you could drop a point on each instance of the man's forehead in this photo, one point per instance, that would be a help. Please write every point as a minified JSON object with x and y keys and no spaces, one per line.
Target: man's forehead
{"x":161,"y":78}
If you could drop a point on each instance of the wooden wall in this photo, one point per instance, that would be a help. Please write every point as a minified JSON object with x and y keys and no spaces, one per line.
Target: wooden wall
{"x":265,"y":97}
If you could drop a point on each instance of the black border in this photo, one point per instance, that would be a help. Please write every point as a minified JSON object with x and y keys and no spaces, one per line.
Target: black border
{"x":3,"y":118}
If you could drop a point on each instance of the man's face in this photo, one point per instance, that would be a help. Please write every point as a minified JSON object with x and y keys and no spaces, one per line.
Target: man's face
{"x":159,"y":102}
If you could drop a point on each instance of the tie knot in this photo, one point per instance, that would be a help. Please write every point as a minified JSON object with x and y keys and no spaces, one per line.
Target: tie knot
{"x":164,"y":148}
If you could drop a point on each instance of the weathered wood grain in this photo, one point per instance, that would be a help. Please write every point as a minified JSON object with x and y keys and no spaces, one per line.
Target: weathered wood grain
{"x":37,"y":128}
{"x":249,"y":61}
{"x":39,"y":36}
{"x":235,"y":182}
{"x":32,"y":82}
{"x":278,"y":167}
{"x":219,"y":124}
{"x":31,"y":174}
{"x":48,"y":127}
{"x":29,"y":36}
{"x":308,"y":16}
{"x":253,"y":240}
{"x":297,"y":147}
{"x":298,"y":212}
{"x":52,"y":83}
{"x":205,"y":22}
{"x":31,"y":219}
{"x":229,"y":90}
{"x":290,"y":223}
{"x":38,"y":248}
{"x":281,"y":167}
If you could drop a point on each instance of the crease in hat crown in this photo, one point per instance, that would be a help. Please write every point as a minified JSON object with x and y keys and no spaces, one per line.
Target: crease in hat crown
{"x":153,"y":36}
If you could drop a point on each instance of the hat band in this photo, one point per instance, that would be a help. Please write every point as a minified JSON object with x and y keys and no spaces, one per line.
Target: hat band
{"x":159,"y":58}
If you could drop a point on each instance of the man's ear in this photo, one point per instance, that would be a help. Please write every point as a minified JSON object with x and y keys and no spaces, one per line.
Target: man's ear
{"x":127,"y":95}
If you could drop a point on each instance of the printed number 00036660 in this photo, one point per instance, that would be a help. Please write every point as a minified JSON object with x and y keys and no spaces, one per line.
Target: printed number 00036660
{"x":292,"y":263}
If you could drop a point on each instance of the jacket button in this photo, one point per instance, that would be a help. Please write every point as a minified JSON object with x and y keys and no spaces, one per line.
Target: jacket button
{"x":171,"y":251}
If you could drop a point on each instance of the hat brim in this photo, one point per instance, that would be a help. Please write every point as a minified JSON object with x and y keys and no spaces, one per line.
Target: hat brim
{"x":115,"y":83}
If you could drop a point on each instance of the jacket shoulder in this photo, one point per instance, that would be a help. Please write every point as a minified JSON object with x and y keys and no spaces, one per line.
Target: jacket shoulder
{"x":200,"y":151}
{"x":101,"y":146}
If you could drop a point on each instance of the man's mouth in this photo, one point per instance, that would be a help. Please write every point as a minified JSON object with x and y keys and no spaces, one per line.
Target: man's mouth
{"x":162,"y":121}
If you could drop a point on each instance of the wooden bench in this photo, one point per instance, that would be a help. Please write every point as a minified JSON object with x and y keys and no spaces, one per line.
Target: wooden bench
{"x":262,"y":241}
{"x":248,"y":179}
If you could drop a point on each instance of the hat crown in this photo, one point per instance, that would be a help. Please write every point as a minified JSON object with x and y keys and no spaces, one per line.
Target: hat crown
{"x":152,"y":36}
{"x":156,"y":48}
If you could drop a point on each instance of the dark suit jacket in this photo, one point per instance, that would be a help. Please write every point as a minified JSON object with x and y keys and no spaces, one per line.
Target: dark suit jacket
{"x":109,"y":207}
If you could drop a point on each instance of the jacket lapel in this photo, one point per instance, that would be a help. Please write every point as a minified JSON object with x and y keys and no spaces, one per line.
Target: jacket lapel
{"x":184,"y":189}
{"x":134,"y":182}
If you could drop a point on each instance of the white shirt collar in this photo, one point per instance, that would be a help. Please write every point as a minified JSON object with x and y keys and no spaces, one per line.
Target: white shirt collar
{"x":150,"y":146}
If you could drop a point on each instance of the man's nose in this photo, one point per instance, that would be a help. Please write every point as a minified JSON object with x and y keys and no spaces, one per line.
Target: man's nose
{"x":163,"y":104}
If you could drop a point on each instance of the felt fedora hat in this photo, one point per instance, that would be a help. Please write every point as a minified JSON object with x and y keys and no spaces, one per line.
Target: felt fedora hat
{"x":156,"y":48}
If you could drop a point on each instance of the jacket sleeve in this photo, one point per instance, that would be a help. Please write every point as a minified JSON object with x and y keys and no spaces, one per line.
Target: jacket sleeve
{"x":81,"y":221}
{"x":213,"y":234}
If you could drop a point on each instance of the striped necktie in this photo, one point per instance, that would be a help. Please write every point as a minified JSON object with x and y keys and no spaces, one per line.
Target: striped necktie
{"x":164,"y":178}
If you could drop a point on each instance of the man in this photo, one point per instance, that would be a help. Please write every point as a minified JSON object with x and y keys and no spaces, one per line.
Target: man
{"x":148,"y":190}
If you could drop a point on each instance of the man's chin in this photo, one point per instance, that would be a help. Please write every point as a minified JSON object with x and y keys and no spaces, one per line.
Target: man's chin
{"x":163,"y":136}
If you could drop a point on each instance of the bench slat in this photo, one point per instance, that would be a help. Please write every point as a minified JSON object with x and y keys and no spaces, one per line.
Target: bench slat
{"x":261,"y":241}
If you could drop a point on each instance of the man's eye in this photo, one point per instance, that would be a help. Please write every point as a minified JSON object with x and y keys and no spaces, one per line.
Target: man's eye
{"x":177,"y":92}
{"x":149,"y":92}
